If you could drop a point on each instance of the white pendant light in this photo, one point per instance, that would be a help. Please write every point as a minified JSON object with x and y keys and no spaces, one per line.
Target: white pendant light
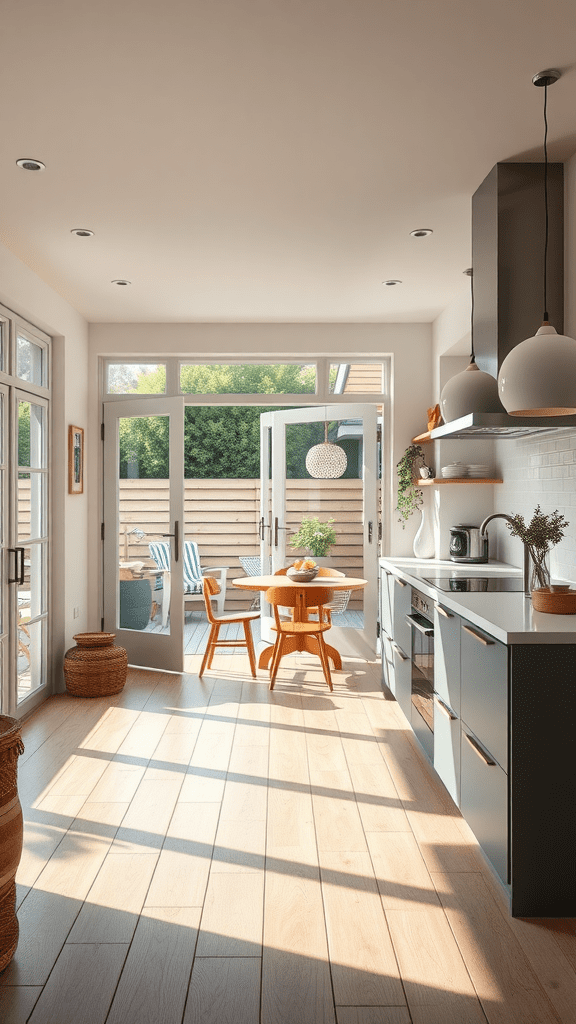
{"x":326,"y":461}
{"x":472,"y":390}
{"x":538,"y":377}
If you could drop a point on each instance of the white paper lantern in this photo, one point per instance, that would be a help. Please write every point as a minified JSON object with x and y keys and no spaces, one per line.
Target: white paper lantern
{"x":326,"y":461}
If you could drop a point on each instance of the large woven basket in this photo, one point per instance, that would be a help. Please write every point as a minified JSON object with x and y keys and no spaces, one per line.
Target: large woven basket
{"x":11,"y":747}
{"x":95,"y":667}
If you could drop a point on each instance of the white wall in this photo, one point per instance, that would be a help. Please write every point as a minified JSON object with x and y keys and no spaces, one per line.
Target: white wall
{"x":409,"y":344}
{"x":23,"y":292}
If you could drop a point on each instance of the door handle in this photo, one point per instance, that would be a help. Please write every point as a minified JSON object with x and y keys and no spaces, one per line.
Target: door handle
{"x":370,"y":531}
{"x":442,"y":611}
{"x":176,"y":536}
{"x":401,"y":655}
{"x":445,"y":709}
{"x":478,"y":636}
{"x":276,"y":529}
{"x":426,"y":630}
{"x":18,"y":574}
{"x":482,"y":754}
{"x":262,"y":527}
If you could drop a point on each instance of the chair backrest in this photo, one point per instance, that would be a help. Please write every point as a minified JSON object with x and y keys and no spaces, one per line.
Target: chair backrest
{"x":192,"y":569}
{"x":282,"y":572}
{"x":325,"y":571}
{"x":160,"y":551}
{"x":289,"y":597}
{"x":210,"y":588}
{"x":252,"y":564}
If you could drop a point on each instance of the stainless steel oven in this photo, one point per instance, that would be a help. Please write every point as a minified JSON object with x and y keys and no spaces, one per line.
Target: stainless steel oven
{"x":421,"y":625}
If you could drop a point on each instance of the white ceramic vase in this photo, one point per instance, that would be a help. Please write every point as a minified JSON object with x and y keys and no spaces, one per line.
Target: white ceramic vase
{"x":424,"y":544}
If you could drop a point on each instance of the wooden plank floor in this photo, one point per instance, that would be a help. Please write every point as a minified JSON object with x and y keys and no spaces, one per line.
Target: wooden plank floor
{"x":208,"y":851}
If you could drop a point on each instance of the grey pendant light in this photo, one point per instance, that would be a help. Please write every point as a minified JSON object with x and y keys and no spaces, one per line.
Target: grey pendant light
{"x":472,"y":390}
{"x":538,"y":377}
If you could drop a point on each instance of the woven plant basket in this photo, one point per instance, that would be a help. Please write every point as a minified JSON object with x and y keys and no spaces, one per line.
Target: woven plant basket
{"x":11,"y":747}
{"x":95,"y":667}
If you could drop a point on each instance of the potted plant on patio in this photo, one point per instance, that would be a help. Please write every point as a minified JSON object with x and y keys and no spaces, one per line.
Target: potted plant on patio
{"x":314,"y":536}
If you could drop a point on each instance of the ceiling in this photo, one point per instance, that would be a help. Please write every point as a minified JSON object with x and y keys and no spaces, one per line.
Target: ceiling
{"x":265,"y":160}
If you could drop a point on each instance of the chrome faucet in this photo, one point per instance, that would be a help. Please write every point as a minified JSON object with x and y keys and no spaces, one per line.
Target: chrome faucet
{"x":502,"y":515}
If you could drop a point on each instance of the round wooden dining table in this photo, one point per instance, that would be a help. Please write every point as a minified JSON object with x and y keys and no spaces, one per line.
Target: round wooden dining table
{"x":300,"y":642}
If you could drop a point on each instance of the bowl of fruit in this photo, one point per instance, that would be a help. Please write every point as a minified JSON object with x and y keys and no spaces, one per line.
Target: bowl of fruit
{"x":303,"y":571}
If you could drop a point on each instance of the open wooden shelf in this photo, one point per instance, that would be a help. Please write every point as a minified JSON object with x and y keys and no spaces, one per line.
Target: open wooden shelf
{"x":422,"y":438}
{"x":431,"y":481}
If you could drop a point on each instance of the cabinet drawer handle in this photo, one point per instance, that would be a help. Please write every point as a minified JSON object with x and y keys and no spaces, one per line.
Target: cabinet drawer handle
{"x":442,"y":611}
{"x":401,"y":583}
{"x":482,"y":754}
{"x":445,"y":709}
{"x":478,"y":636}
{"x":401,"y":655}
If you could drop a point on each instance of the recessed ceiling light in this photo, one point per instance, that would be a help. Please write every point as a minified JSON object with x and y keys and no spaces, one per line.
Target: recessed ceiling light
{"x":82,"y":232}
{"x":120,"y":281}
{"x":391,"y":282}
{"x":421,"y":232}
{"x":31,"y":165}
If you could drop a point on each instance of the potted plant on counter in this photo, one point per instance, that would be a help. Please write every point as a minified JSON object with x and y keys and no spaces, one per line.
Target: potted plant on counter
{"x":540,"y":535}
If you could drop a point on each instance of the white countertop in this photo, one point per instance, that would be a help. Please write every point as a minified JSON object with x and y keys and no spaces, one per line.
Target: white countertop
{"x":509,"y":617}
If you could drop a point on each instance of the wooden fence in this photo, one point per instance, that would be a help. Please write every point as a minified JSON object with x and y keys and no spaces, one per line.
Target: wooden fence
{"x":222,"y":516}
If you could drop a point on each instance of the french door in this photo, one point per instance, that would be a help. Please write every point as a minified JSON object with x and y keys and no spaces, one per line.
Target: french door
{"x":288,"y":494}
{"x":144,"y":599}
{"x":24,"y":535}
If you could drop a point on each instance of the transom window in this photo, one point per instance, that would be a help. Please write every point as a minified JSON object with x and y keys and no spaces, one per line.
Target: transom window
{"x":298,"y":381}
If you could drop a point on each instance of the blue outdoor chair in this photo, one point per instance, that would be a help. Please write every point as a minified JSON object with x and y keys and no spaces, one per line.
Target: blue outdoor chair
{"x":193,"y":574}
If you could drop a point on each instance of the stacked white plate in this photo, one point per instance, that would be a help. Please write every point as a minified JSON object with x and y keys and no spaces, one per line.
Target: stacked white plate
{"x":454,"y":470}
{"x":478,"y":470}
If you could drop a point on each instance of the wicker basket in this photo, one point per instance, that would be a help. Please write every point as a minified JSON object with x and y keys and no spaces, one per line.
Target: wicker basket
{"x":11,"y":747}
{"x":95,"y":667}
{"x":555,"y":602}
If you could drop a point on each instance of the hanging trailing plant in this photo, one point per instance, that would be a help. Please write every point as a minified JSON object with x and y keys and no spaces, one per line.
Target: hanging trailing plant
{"x":410,"y":497}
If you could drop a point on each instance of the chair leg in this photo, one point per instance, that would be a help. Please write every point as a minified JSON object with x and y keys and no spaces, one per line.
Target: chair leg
{"x":324,"y":660}
{"x":275,"y":663}
{"x":250,"y":646}
{"x":209,"y":652}
{"x":216,"y":628}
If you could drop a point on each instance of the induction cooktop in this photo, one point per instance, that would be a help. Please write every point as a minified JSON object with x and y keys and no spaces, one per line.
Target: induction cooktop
{"x":477,"y":584}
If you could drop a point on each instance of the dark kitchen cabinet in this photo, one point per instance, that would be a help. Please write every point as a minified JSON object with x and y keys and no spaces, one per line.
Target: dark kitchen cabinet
{"x":484,"y":800}
{"x":504,"y":722}
{"x":484,"y":689}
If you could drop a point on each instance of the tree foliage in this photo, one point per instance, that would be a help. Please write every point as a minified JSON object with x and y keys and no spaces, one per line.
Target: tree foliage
{"x":220,"y":442}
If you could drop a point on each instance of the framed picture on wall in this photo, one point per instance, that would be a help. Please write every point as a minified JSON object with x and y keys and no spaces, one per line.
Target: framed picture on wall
{"x":75,"y":460}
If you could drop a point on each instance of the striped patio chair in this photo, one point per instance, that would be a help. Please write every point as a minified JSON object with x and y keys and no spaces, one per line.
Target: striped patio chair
{"x":192,"y":570}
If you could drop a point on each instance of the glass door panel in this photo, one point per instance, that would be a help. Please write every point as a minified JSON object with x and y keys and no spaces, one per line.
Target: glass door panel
{"x":143,"y":517}
{"x":6,"y":558}
{"x":30,"y":590}
{"x":346,"y":505}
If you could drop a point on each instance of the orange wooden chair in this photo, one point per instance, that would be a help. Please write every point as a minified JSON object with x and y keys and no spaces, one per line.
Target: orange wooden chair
{"x":338,"y":602}
{"x":299,"y":628}
{"x":209,"y":588}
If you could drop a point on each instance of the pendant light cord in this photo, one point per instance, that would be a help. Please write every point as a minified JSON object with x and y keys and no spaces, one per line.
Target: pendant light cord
{"x":545,"y":200}
{"x":472,"y":356}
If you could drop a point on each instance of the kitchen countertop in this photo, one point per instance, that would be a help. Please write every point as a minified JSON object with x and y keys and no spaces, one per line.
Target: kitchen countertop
{"x":509,"y":617}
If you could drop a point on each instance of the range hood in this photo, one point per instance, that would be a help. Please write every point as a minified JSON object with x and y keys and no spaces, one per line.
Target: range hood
{"x":507,"y":247}
{"x":494,"y":424}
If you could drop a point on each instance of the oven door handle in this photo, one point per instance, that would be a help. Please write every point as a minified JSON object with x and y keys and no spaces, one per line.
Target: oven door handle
{"x":412,"y":621}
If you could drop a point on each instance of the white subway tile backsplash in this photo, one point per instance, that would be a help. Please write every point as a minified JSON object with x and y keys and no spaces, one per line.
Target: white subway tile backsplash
{"x":538,"y":470}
